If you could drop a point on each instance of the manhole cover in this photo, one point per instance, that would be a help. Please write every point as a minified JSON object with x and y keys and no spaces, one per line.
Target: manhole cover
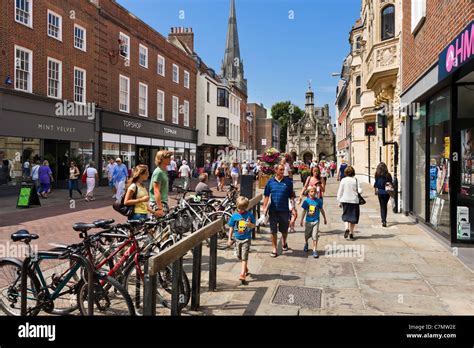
{"x":298,"y":296}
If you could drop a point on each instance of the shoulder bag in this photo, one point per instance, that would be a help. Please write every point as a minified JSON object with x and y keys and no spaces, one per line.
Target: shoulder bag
{"x":361,"y":199}
{"x":126,"y":210}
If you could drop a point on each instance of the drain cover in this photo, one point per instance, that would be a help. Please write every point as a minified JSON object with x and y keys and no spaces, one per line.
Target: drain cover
{"x":298,"y":296}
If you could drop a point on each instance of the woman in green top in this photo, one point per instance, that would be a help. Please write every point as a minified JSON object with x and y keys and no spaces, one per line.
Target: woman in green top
{"x":159,"y":183}
{"x":140,"y":211}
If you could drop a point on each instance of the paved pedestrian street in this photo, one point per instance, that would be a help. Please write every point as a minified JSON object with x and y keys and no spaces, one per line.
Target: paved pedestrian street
{"x":400,"y":269}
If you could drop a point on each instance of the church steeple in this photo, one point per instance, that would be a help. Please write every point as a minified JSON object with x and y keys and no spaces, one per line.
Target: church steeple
{"x":232,"y":65}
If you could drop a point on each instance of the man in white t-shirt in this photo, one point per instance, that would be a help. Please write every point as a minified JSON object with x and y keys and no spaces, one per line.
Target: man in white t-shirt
{"x":171,"y":169}
{"x":185,"y":172}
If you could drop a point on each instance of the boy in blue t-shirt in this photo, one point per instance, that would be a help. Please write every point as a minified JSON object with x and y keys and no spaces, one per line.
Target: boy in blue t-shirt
{"x":311,"y":208}
{"x":241,"y":224}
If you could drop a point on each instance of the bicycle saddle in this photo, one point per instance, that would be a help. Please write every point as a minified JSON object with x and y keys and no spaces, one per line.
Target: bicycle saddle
{"x":23,"y":235}
{"x":102,"y":223}
{"x":82,"y":227}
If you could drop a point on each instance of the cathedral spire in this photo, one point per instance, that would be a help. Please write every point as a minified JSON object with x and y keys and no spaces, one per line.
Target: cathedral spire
{"x":232,"y":66}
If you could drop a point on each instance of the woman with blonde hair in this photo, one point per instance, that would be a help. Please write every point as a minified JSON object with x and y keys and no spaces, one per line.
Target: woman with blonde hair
{"x":159,"y":183}
{"x":137,"y":194}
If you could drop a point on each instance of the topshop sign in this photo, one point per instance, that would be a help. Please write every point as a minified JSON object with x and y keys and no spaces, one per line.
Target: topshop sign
{"x":457,"y":53}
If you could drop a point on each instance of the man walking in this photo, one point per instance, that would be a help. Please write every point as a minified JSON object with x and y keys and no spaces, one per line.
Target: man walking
{"x":280,"y":189}
{"x":185,"y":173}
{"x":110,"y":171}
{"x":119,"y":177}
{"x":171,"y":169}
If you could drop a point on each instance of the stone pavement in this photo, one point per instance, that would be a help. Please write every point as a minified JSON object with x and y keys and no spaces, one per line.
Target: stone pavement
{"x":396,"y":270}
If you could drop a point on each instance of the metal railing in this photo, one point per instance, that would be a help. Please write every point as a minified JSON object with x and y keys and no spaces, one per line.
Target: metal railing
{"x":174,"y":255}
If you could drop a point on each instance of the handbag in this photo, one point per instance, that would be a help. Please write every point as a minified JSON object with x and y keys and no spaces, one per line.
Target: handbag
{"x":389,"y":189}
{"x":84,"y":177}
{"x":362,"y":201}
{"x":120,"y":207}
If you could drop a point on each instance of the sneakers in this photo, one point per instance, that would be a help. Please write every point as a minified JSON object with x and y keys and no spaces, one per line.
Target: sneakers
{"x":384,"y":224}
{"x":315,"y":254}
{"x":305,"y":248}
{"x":285,"y":247}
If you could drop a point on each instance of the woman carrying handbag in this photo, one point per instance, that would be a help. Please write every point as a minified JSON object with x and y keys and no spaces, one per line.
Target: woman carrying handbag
{"x":349,"y":197}
{"x":383,"y":189}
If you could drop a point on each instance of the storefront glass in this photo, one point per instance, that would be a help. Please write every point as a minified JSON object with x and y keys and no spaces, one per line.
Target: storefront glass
{"x":13,"y":154}
{"x":440,"y":149}
{"x":418,"y":130}
{"x":109,"y":150}
{"x":465,"y":197}
{"x":128,"y":155}
{"x":81,"y":153}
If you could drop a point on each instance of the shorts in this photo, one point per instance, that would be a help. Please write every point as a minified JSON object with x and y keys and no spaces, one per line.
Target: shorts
{"x":153,"y":206}
{"x":242,"y":249}
{"x":279,"y":218}
{"x":311,"y":230}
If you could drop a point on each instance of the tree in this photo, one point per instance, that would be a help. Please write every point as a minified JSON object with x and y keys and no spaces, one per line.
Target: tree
{"x":283,"y":112}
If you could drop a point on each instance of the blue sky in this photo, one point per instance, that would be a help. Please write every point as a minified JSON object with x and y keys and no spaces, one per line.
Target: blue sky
{"x":279,"y":54}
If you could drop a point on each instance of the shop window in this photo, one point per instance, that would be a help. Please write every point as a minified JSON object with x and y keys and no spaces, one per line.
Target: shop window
{"x":439,"y":170}
{"x":128,"y":156}
{"x":418,"y":133}
{"x":109,"y":150}
{"x":14,"y":153}
{"x":388,"y":22}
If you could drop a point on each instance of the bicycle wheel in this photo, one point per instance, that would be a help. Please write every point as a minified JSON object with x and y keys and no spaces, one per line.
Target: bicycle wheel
{"x":165,"y":279}
{"x":110,"y":298}
{"x":134,"y":284}
{"x":10,"y":289}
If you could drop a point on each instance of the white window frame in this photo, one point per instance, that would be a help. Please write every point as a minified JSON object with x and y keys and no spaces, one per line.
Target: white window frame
{"x":140,"y":97}
{"x":177,"y":73}
{"x":146,"y":55}
{"x":158,"y":65}
{"x":175,"y":119}
{"x":30,"y":14}
{"x":128,"y":93}
{"x":84,"y":85}
{"x":186,"y":113}
{"x":30,"y":70}
{"x":187,"y":79}
{"x":84,"y":48}
{"x":162,"y":117}
{"x":60,"y":78}
{"x":418,"y":14}
{"x":125,"y":36}
{"x":60,"y":28}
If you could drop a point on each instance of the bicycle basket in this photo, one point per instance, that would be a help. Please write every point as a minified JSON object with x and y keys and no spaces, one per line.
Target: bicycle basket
{"x":182,"y":223}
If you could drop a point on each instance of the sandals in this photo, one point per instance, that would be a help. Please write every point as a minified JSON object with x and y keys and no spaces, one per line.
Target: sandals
{"x":285,"y":247}
{"x":274,"y":254}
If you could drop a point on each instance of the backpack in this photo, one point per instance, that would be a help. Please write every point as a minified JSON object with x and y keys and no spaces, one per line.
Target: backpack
{"x":120,"y":207}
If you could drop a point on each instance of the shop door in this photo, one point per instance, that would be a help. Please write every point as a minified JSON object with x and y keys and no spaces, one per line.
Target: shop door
{"x":56,"y":152}
{"x":143,"y":155}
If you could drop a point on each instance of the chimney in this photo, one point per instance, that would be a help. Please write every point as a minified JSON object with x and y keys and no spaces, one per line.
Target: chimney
{"x":186,"y":35}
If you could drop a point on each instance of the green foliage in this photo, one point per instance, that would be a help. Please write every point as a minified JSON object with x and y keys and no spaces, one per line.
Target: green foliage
{"x":283,"y":112}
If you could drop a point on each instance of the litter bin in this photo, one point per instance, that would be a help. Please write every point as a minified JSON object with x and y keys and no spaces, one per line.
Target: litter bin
{"x":247,"y":188}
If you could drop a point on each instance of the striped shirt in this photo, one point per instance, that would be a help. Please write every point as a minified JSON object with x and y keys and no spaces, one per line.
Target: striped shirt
{"x":280,"y":192}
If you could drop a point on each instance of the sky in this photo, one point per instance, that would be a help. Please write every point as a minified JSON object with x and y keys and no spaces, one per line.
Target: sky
{"x":283,"y":43}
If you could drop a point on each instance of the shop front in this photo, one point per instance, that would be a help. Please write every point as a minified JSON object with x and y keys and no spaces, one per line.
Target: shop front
{"x":31,"y":131}
{"x":137,"y":140}
{"x":440,"y":160}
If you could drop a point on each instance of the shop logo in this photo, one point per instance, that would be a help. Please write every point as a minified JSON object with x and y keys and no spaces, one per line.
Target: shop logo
{"x":460,"y":50}
{"x":68,"y":108}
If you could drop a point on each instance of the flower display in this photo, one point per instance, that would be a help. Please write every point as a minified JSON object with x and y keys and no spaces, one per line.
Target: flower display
{"x":269,"y":158}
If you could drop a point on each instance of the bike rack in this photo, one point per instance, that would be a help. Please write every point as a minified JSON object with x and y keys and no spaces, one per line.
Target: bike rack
{"x":174,"y":255}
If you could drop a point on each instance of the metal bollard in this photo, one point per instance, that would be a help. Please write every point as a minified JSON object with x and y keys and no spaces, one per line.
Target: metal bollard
{"x":149,"y":292}
{"x":196,"y":281}
{"x":175,"y":293}
{"x":213,"y":264}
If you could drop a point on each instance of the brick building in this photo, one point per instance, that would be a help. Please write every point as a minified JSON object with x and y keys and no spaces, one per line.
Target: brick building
{"x":267,"y":130}
{"x":438,"y":115}
{"x":88,"y":80}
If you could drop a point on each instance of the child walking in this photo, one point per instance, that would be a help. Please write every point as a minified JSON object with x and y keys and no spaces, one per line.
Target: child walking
{"x":241,"y":223}
{"x":312,"y":206}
